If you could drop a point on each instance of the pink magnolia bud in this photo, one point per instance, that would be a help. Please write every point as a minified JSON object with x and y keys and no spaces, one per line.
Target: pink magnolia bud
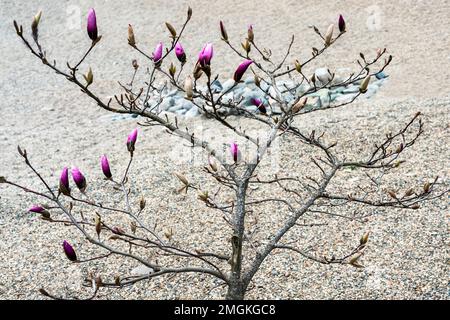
{"x":258,"y":103}
{"x":41,"y":210}
{"x":92,"y":25}
{"x":205,"y":56}
{"x":69,"y":251}
{"x":79,"y":179}
{"x":341,"y":23}
{"x":64,"y":182}
{"x":105,"y":166}
{"x":235,"y":153}
{"x":36,"y":209}
{"x":241,"y":70}
{"x":157,"y":54}
{"x":179,"y":51}
{"x":131,"y":141}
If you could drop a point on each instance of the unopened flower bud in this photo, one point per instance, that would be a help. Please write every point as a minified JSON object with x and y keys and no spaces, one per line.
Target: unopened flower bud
{"x":168,"y":233}
{"x":392,"y":194}
{"x":189,"y":88}
{"x":329,"y":35}
{"x":198,"y":71}
{"x":246,"y":46}
{"x":35,"y":24}
{"x":298,"y":66}
{"x":341,"y":23}
{"x":105,"y":166}
{"x":79,"y":179}
{"x":409,"y":193}
{"x":181,"y":178}
{"x":92,"y":25}
{"x":353,"y":261}
{"x":364,"y":238}
{"x":179,"y":52}
{"x":299,"y":105}
{"x":172,"y":70}
{"x":364,"y":85}
{"x":223,"y":32}
{"x":69,"y":251}
{"x":37,"y":209}
{"x":98,"y":225}
{"x":203,"y":195}
{"x":131,"y":140}
{"x":89,"y":77}
{"x":259,"y":104}
{"x":171,"y":29}
{"x":64,"y":182}
{"x":212,"y":163}
{"x":157,"y":54}
{"x":133,"y":226}
{"x":257,"y":81}
{"x":234,"y":150}
{"x":241,"y":70}
{"x":131,"y":38}
{"x":117,"y":230}
{"x":205,"y":56}
{"x":135,"y":64}
{"x":142,"y":203}
{"x":250,"y":34}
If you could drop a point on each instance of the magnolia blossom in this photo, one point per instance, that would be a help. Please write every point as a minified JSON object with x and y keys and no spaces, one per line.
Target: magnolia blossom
{"x":179,"y":52}
{"x":105,"y":166}
{"x":64,"y":182}
{"x":69,"y":251}
{"x":241,"y":70}
{"x":79,"y":179}
{"x":92,"y":25}
{"x":157,"y":54}
{"x":205,"y":56}
{"x":131,"y":141}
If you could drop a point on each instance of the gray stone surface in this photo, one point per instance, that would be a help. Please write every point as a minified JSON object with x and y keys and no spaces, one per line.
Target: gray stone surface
{"x":244,"y":92}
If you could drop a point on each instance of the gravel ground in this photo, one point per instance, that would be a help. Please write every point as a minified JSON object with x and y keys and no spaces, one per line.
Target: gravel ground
{"x":407,"y":254}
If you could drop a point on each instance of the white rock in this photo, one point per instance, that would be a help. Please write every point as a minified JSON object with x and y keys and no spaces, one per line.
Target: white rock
{"x":141,"y":270}
{"x":193,"y":112}
{"x":227,"y":84}
{"x":322,"y":75}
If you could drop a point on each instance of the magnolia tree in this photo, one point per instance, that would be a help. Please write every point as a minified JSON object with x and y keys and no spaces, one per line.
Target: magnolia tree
{"x":236,"y":265}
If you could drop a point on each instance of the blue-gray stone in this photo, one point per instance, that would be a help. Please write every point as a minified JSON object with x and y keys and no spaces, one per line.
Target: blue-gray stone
{"x":186,"y":104}
{"x":175,"y":108}
{"x":227,"y":84}
{"x":167,"y":104}
{"x":381,"y":75}
{"x":216,"y":86}
{"x":351,"y":89}
{"x":192,"y":112}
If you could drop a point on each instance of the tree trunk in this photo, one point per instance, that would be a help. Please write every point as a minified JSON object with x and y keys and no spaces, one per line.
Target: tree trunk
{"x":236,"y":289}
